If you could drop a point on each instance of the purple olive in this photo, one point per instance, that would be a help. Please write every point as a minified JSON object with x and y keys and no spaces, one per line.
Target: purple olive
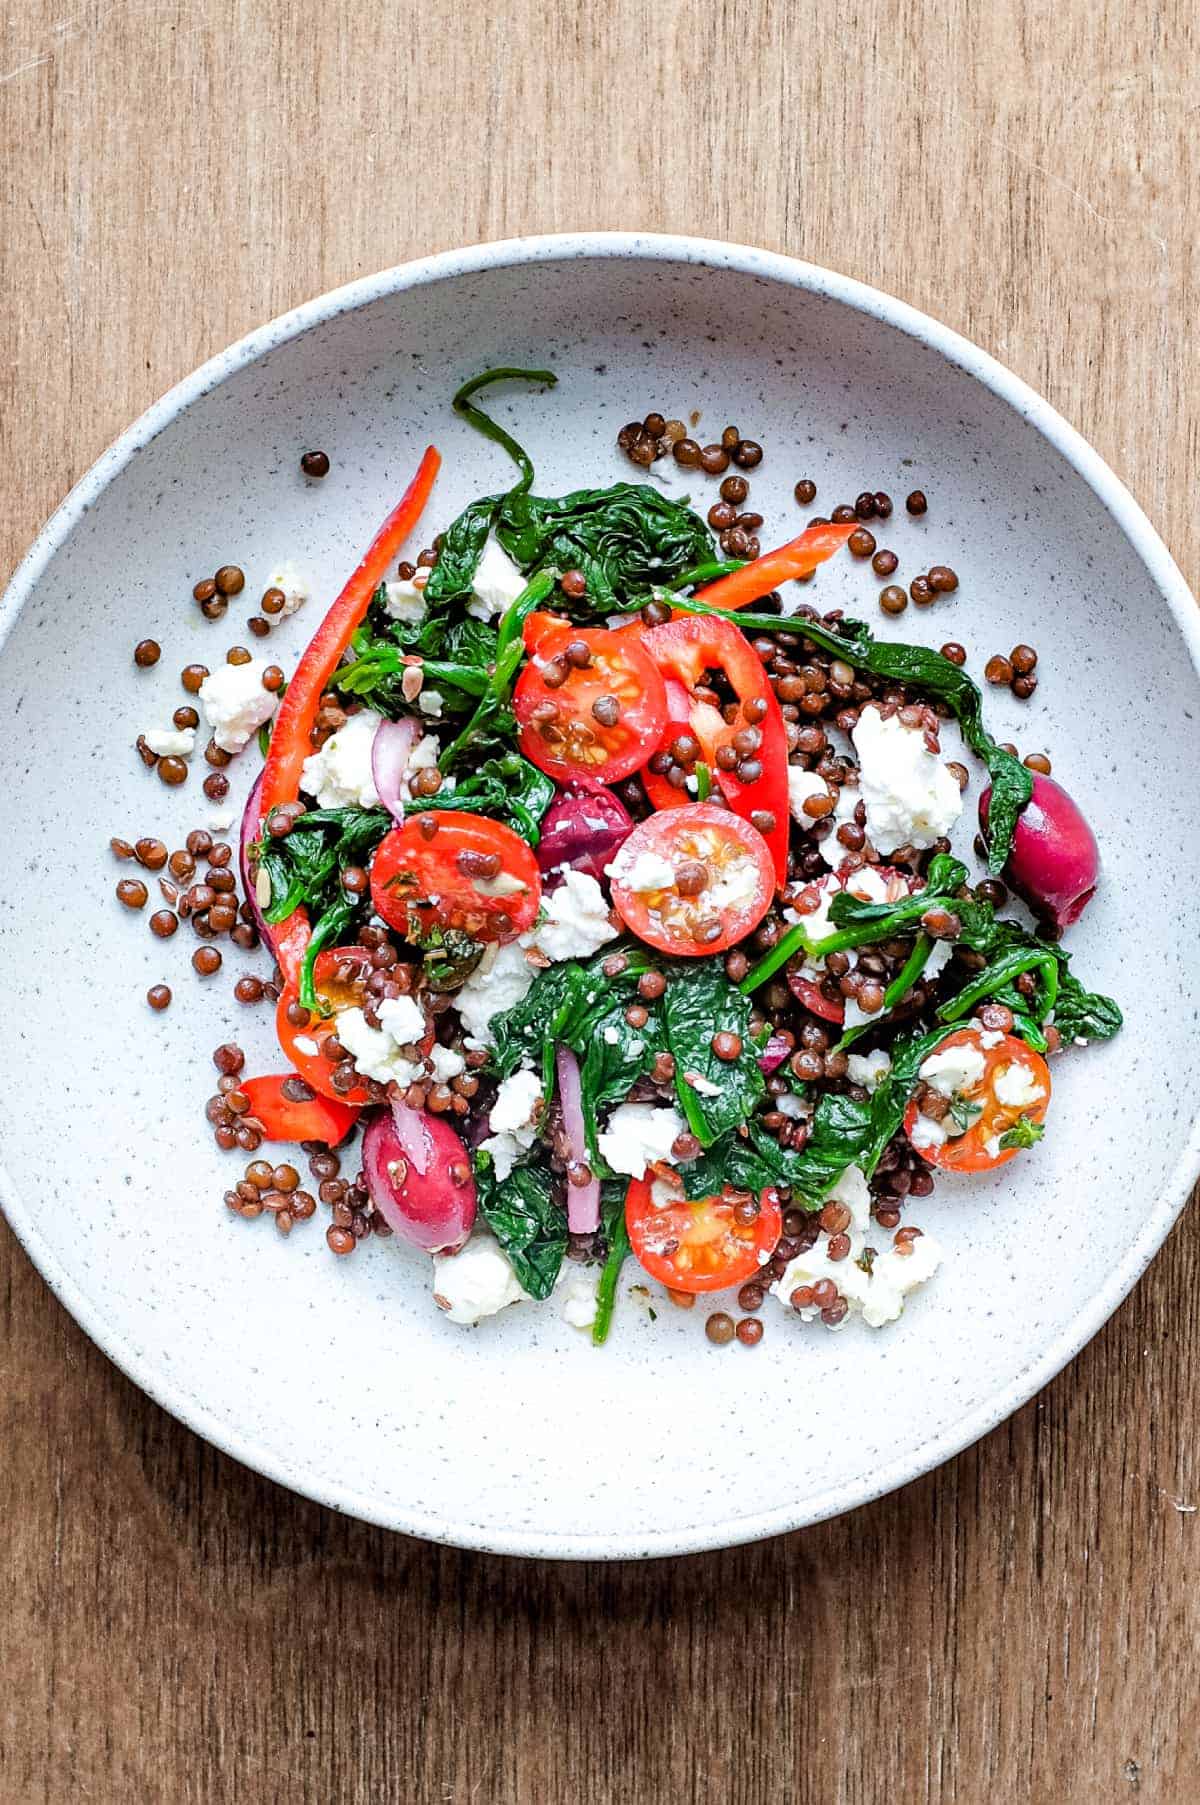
{"x":582,"y":829}
{"x":1055,"y":862}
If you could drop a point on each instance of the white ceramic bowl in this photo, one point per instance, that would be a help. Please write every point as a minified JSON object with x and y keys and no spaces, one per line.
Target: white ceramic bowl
{"x":339,"y":1378}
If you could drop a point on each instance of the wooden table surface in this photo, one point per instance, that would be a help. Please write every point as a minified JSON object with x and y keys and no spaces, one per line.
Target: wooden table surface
{"x":1019,"y":1626}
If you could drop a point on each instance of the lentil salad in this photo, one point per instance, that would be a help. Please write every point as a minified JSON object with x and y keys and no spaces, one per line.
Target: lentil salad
{"x":613,"y":899}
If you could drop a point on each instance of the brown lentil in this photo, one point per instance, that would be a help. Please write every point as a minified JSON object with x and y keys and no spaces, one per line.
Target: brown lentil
{"x":163,"y":923}
{"x":749,"y":1331}
{"x":954,"y":652}
{"x":1023,"y":687}
{"x":893,"y":599}
{"x":884,"y":563}
{"x":921,"y":591}
{"x":1037,"y":761}
{"x":942,"y":580}
{"x":998,"y":670}
{"x":146,"y":653}
{"x":916,"y":503}
{"x":132,"y":892}
{"x":159,"y":996}
{"x":192,"y":676}
{"x":1023,"y":660}
{"x":315,"y":464}
{"x":151,"y":853}
{"x":230,"y":580}
{"x":805,"y":491}
{"x":719,"y":1328}
{"x":206,"y":960}
{"x":861,"y":543}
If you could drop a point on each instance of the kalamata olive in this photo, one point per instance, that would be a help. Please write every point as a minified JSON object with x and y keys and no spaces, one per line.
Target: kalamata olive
{"x":1055,"y":862}
{"x":582,"y":829}
{"x":411,"y":1183}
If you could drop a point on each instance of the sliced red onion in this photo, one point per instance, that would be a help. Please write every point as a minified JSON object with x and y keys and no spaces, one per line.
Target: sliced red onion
{"x":774,"y":1053}
{"x":249,"y":835}
{"x":391,"y":750}
{"x":583,"y":1201}
{"x":582,"y":829}
{"x":412,"y":1180}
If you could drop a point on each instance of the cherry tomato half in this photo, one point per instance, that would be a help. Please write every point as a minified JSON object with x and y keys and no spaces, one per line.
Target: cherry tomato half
{"x":721,"y":883}
{"x":805,"y":977}
{"x":700,"y":1246}
{"x":453,"y":870}
{"x":1011,"y":1070}
{"x":598,"y":720}
{"x":338,"y":978}
{"x":316,"y":1119}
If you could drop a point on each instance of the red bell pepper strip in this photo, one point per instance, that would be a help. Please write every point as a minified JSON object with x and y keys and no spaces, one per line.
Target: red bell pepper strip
{"x":679,"y":720}
{"x":796,"y":559}
{"x":291,"y":740}
{"x":317,"y":1119}
{"x":684,"y":650}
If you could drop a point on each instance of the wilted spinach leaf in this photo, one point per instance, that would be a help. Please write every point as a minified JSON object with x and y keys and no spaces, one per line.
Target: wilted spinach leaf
{"x":700,"y":1002}
{"x":526,"y":1217}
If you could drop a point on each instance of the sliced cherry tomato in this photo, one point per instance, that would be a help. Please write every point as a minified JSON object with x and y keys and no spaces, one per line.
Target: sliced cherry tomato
{"x":685,"y":650}
{"x":535,"y":627}
{"x":316,"y":1119}
{"x":452,"y":870}
{"x":873,"y":883}
{"x":701,"y":1245}
{"x":601,"y":722}
{"x":988,"y":1106}
{"x":339,"y":975}
{"x":723,"y":880}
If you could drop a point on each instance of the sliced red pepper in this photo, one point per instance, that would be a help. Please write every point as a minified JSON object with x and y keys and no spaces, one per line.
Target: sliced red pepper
{"x":684,"y":650}
{"x":317,"y":1119}
{"x":679,"y":720}
{"x":291,"y":740}
{"x":796,"y":559}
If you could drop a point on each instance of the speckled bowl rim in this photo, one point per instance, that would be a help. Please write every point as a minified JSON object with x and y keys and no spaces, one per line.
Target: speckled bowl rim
{"x":722,"y":1531}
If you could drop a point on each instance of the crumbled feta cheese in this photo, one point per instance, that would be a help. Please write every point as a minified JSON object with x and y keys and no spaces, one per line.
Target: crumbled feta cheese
{"x":304,"y":1043}
{"x":221,"y":820}
{"x":990,"y":1037}
{"x":578,"y":1306}
{"x":926,"y":1133}
{"x":295,"y":588}
{"x":612,"y":1036}
{"x":879,"y":1294}
{"x":852,"y":1190}
{"x":663,"y":1195}
{"x":235,"y":703}
{"x":404,"y":598}
{"x":516,"y":1105}
{"x":498,"y":982}
{"x":644,"y":871}
{"x":939,"y":958}
{"x":497,"y":584}
{"x":953,"y":1069}
{"x":868,"y":1069}
{"x":339,"y":775}
{"x":430,"y":701}
{"x":854,"y":1017}
{"x":376,"y":1051}
{"x":476,"y":1282}
{"x":844,"y":807}
{"x":793,"y":1107}
{"x":801,"y":786}
{"x":403,"y":1019}
{"x":1015,"y":1087}
{"x":734,"y":886}
{"x":702,"y":1085}
{"x":638,"y":1134}
{"x":447,"y":1063}
{"x":577,"y":923}
{"x":911,"y":797}
{"x":168,"y":742}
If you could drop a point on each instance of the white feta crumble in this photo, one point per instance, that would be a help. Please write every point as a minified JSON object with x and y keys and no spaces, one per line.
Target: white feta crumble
{"x":476,"y":1282}
{"x":844,"y":807}
{"x":637,"y":1135}
{"x":990,"y":1037}
{"x":512,"y":1121}
{"x":377,"y":1051}
{"x":703,"y":1086}
{"x":304,"y":1043}
{"x":877,"y":1294}
{"x":645,"y":871}
{"x":867,"y":1069}
{"x":235,"y":703}
{"x":578,"y":1305}
{"x":612,"y":1036}
{"x":1015,"y":1087}
{"x":447,"y":1063}
{"x":734,"y":886}
{"x":339,"y":775}
{"x":430,"y":702}
{"x":403,"y":1019}
{"x":854,"y":1017}
{"x":926,"y":1133}
{"x":221,"y":820}
{"x":404,"y":597}
{"x":497,"y":584}
{"x":577,"y":923}
{"x":498,"y":982}
{"x":296,"y":589}
{"x":911,"y":798}
{"x":793,"y":1107}
{"x":170,"y":742}
{"x":663,"y":1195}
{"x":953,"y":1069}
{"x":802,"y":786}
{"x":939,"y":958}
{"x":423,"y":757}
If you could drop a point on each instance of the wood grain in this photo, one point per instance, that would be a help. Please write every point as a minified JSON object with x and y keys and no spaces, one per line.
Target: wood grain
{"x":1019,"y":1626}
